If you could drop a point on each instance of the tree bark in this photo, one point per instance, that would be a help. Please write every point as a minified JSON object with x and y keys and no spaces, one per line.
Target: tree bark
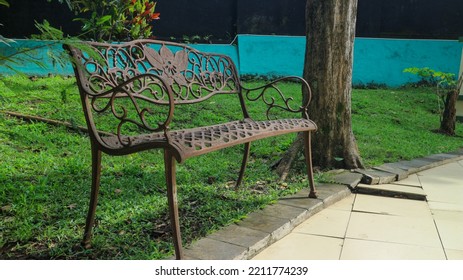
{"x":330,"y":27}
{"x":449,"y":117}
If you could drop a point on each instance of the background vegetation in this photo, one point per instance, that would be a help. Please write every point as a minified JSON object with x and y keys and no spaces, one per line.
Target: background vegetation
{"x":45,"y":172}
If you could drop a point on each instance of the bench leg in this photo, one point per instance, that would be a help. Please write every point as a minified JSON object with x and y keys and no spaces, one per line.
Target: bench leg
{"x":169,"y":162}
{"x":247,"y":148}
{"x":308,"y":159}
{"x":96,"y":170}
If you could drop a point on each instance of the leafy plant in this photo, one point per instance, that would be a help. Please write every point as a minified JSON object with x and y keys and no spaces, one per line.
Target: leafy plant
{"x":50,"y":36}
{"x":108,"y":20}
{"x":4,"y":40}
{"x":431,"y":77}
{"x":447,"y":91}
{"x":195,"y":39}
{"x":16,"y":56}
{"x":111,"y":20}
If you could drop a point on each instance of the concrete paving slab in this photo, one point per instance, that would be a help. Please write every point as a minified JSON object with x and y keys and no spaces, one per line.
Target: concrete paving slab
{"x":417,"y":165}
{"x":435,"y":205}
{"x":450,"y":170}
{"x":329,"y":222}
{"x":346,"y":204}
{"x":392,"y":190}
{"x":394,"y":229}
{"x":391,"y":206}
{"x":450,"y":227}
{"x":391,"y":168}
{"x":454,"y":254}
{"x":375,"y":177}
{"x":373,"y":250}
{"x":314,"y":248}
{"x":331,"y":193}
{"x":411,"y":181}
{"x":350,"y":179}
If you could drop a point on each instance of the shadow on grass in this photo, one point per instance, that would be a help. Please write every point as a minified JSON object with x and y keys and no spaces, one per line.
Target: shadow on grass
{"x":44,"y":209}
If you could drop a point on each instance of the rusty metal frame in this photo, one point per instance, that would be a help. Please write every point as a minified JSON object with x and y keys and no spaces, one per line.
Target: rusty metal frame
{"x":146,"y":74}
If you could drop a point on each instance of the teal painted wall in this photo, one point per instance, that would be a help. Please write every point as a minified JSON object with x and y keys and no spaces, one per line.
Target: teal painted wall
{"x":230,"y":50}
{"x":271,"y":55}
{"x":383,"y":60}
{"x":379,"y":61}
{"x":375,"y":60}
{"x":40,"y":54}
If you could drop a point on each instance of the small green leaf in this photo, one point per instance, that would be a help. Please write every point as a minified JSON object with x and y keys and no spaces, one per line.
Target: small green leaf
{"x":4,"y":3}
{"x":103,"y":19}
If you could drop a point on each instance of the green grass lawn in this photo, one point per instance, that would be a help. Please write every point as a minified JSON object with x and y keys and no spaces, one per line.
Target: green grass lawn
{"x":399,"y":124}
{"x":45,"y":172}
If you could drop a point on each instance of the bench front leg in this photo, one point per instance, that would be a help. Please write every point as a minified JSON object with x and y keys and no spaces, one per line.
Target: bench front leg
{"x":170,"y":169}
{"x":247,"y":148}
{"x":308,"y":160}
{"x":96,"y":171}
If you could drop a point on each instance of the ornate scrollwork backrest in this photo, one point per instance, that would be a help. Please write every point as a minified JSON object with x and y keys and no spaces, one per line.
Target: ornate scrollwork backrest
{"x":124,"y":81}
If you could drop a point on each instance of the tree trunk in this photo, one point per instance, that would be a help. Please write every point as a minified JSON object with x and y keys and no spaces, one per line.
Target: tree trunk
{"x":449,"y":116}
{"x":330,"y":27}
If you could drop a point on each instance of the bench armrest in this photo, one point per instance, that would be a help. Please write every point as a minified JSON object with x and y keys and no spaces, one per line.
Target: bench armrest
{"x":131,"y":101}
{"x":272,"y":95}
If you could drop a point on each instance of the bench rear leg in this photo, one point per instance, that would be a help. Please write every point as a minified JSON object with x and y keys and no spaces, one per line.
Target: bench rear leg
{"x":170,"y":167}
{"x":247,"y":148}
{"x":96,"y":171}
{"x":308,"y":159}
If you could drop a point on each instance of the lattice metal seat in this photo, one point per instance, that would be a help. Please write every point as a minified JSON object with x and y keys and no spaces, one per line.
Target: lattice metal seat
{"x":122,"y":86}
{"x":197,"y":141}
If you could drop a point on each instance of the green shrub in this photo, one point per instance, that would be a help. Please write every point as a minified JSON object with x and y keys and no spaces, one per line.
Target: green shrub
{"x":114,"y":20}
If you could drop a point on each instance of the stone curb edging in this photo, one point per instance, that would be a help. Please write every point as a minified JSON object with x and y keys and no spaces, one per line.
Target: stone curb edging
{"x":391,"y":172}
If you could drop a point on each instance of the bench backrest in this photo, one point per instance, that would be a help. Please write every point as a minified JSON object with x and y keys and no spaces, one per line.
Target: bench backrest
{"x":193,"y":75}
{"x":126,"y":79}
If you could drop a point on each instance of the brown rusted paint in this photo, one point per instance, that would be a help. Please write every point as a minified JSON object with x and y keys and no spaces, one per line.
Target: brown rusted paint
{"x":147,"y":74}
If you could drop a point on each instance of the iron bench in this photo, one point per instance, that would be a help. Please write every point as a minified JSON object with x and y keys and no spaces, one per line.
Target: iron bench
{"x":136,"y":87}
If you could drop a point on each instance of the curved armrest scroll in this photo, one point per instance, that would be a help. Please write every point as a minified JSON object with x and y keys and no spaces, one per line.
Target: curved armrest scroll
{"x":274,"y":98}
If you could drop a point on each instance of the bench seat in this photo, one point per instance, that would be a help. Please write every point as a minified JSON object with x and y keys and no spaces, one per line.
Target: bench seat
{"x":201,"y":140}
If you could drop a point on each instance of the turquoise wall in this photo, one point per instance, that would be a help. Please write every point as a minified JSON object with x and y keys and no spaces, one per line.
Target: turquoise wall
{"x":375,"y":60}
{"x":383,"y":60}
{"x":271,"y":55}
{"x":230,"y":50}
{"x":39,"y":54}
{"x":379,"y":61}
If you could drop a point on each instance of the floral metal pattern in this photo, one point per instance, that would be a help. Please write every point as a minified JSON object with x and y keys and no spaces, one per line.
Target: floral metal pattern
{"x":146,"y":73}
{"x":127,"y":83}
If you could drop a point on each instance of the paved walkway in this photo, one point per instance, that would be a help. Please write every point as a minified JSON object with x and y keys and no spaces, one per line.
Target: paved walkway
{"x":372,"y":227}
